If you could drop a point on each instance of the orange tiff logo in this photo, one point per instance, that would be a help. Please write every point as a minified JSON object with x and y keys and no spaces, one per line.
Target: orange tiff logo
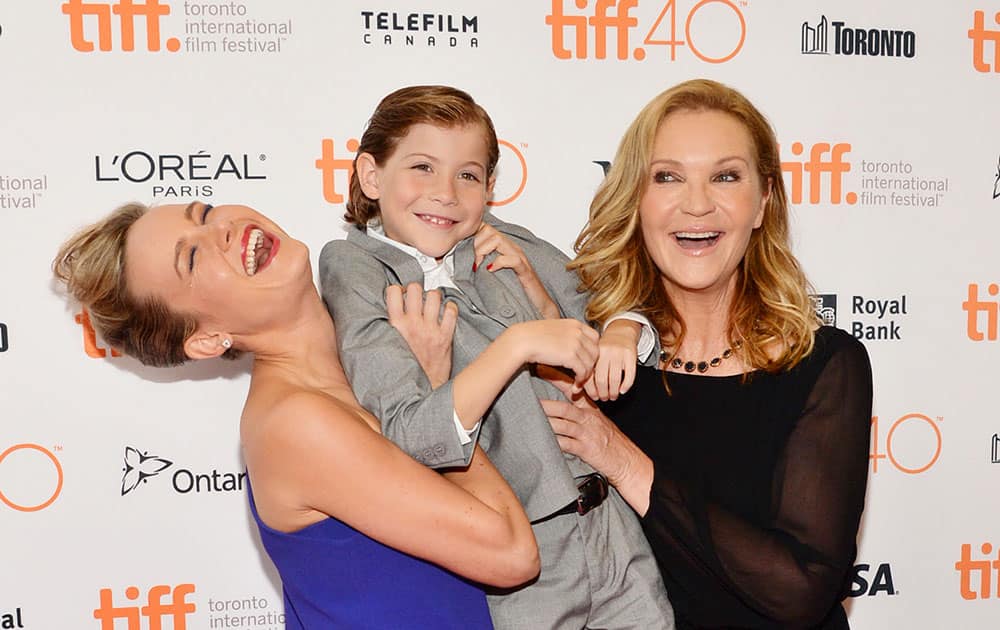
{"x":816,"y":166}
{"x":154,"y":610}
{"x":126,"y":12}
{"x":615,"y":16}
{"x":90,"y":346}
{"x":979,"y":36}
{"x":329,"y":165}
{"x":336,"y":170}
{"x":986,"y":568}
{"x":974,"y":307}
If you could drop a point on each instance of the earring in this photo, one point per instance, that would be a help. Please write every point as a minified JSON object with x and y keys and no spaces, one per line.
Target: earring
{"x":227,"y":343}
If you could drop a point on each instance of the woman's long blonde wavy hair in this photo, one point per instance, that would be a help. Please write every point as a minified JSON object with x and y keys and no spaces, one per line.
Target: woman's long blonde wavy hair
{"x":771,"y":313}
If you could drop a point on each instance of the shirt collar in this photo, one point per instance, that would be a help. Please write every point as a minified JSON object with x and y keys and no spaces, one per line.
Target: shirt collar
{"x":427,"y":263}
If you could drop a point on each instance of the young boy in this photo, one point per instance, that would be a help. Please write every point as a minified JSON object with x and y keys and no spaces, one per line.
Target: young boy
{"x":423,"y":175}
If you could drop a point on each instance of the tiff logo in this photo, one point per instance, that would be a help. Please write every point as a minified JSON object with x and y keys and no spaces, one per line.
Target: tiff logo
{"x":836,"y":166}
{"x":986,"y":568}
{"x":973,"y":307}
{"x":154,"y":610}
{"x":814,"y":37}
{"x":126,"y":11}
{"x":621,"y":22}
{"x":334,"y":184}
{"x":90,"y":346}
{"x":979,"y":36}
{"x":329,"y":165}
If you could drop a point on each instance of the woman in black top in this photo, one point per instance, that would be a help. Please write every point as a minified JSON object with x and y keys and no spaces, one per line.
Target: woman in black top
{"x":745,"y":449}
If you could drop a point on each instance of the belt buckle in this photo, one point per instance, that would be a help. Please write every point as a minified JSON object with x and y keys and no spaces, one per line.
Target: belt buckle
{"x":593,"y":490}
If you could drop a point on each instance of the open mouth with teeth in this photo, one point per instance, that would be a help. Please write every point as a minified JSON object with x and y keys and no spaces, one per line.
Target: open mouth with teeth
{"x":259,"y":249}
{"x":436,"y":221}
{"x":697,"y":240}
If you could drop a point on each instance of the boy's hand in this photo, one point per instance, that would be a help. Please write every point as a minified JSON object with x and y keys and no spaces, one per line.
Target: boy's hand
{"x":614,"y":371}
{"x":510,"y":256}
{"x":418,"y":318}
{"x":565,"y":343}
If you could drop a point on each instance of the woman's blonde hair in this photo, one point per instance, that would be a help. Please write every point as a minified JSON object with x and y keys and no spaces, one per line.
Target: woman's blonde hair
{"x":771,"y":307}
{"x":92,"y":266}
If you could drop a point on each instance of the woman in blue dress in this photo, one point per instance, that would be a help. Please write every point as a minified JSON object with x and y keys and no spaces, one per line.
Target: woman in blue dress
{"x":363,"y":536}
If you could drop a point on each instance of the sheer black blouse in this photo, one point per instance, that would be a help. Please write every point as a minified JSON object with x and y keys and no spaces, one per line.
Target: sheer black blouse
{"x":758,"y":486}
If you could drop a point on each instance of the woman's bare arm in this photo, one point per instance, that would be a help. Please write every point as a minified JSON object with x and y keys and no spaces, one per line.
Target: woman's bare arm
{"x":323,"y":458}
{"x":315,"y":455}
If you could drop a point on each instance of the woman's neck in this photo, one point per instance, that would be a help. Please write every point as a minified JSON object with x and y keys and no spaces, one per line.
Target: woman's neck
{"x":706,"y":320}
{"x":303,"y":350}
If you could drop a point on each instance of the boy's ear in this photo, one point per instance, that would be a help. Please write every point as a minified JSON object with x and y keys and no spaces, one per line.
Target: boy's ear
{"x":489,"y":187}
{"x":205,"y":344}
{"x":368,"y":175}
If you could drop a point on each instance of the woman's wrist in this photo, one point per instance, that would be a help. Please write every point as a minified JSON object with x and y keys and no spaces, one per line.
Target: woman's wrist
{"x":634,"y":476}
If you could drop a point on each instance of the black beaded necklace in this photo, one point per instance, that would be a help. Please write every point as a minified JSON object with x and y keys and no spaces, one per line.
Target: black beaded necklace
{"x":701,"y":366}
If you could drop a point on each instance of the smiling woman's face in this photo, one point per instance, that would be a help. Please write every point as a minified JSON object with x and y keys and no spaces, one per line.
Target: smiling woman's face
{"x":228,"y":266}
{"x":702,"y":200}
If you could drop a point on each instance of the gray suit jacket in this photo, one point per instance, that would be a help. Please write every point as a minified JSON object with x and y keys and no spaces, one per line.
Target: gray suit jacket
{"x":388,"y":380}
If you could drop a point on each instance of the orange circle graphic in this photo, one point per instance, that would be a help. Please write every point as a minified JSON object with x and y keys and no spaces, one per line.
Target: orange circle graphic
{"x":888,"y":444}
{"x":59,"y":483}
{"x":690,"y":41}
{"x":524,"y":176}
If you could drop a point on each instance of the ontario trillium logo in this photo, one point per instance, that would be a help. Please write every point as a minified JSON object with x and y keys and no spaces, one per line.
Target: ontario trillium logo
{"x":139,"y":467}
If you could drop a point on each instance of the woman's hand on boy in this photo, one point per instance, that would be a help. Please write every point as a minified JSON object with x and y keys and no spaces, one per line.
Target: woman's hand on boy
{"x":418,"y":317}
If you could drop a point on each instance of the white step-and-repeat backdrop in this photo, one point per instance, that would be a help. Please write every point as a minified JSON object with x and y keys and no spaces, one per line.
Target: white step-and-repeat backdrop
{"x":122,"y":497}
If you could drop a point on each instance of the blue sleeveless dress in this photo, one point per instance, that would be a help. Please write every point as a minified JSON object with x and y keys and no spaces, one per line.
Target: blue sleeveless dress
{"x":333,"y":576}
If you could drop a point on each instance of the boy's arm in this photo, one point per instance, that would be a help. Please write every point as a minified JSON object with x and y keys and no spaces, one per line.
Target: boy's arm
{"x":562,"y":285}
{"x":614,"y":372}
{"x":385,"y":376}
{"x":648,"y":345}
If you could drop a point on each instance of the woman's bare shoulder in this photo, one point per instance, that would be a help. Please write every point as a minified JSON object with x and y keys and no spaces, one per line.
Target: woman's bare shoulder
{"x":293,"y":415}
{"x":296,"y":443}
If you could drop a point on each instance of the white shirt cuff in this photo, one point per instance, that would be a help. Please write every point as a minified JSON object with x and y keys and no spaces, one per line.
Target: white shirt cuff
{"x":647,"y":338}
{"x":464,"y":435}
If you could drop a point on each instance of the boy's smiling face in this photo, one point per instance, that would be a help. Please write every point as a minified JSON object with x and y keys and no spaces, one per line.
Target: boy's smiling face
{"x":432,"y":191}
